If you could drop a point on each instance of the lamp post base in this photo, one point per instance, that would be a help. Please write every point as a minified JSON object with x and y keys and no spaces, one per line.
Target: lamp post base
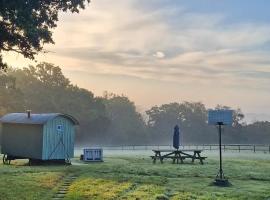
{"x":222,"y":182}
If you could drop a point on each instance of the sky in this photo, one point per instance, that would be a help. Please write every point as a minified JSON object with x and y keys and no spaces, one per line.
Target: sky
{"x":162,"y":51}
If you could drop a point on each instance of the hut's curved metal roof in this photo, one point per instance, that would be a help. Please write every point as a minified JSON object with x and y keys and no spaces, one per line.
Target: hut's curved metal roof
{"x":22,"y":118}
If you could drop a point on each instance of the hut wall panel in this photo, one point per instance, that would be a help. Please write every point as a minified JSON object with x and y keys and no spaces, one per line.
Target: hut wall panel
{"x":24,"y":140}
{"x":58,"y":144}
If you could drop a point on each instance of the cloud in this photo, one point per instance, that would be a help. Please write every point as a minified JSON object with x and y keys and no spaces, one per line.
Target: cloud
{"x":164,"y":43}
{"x":159,"y":54}
{"x":126,"y":36}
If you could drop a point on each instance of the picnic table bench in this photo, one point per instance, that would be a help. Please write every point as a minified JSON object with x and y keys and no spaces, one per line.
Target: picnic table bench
{"x":178,"y":155}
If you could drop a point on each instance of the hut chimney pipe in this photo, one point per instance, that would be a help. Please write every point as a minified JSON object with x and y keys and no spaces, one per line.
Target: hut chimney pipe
{"x":28,"y":113}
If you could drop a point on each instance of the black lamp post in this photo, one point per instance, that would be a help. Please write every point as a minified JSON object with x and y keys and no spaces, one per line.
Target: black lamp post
{"x":220,"y":178}
{"x":220,"y":118}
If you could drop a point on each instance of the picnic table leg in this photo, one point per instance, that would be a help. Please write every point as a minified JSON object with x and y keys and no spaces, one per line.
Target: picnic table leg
{"x":175,"y":158}
{"x":160,"y":158}
{"x":182,"y":160}
{"x":178,"y":158}
{"x":201,"y":160}
{"x":154,"y":158}
{"x":194,"y":157}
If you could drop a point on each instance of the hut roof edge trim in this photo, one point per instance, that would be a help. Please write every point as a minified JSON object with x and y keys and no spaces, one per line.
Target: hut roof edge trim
{"x":22,"y":118}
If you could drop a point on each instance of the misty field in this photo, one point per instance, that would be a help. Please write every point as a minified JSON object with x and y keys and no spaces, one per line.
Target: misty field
{"x":125,"y":176}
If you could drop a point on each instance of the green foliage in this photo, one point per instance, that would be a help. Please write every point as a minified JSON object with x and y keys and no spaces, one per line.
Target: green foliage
{"x":25,"y":25}
{"x":126,"y":124}
{"x":191,"y":117}
{"x":3,"y":66}
{"x":49,"y":75}
{"x":257,"y":132}
{"x":10,"y":96}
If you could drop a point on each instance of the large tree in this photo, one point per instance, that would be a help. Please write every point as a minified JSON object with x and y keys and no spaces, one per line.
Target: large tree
{"x":191,"y":117}
{"x":126,"y":124}
{"x":25,"y":25}
{"x":11,"y":98}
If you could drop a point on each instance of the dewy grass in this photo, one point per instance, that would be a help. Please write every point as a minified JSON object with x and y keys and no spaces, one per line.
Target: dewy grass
{"x":136,"y":177}
{"x":250,"y":178}
{"x":145,"y":191}
{"x":91,"y":188}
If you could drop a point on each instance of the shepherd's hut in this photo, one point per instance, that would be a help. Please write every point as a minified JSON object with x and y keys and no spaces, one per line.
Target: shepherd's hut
{"x":38,"y":137}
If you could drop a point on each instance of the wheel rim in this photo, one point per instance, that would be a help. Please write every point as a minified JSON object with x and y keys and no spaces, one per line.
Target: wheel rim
{"x":5,"y":160}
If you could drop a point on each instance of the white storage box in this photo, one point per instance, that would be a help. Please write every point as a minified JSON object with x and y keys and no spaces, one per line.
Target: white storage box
{"x":93,"y":155}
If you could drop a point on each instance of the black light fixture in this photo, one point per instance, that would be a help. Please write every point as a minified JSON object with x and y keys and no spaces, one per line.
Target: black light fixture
{"x":220,"y":118}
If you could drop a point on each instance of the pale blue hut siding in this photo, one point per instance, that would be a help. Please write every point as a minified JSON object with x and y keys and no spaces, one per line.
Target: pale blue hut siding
{"x":52,"y":147}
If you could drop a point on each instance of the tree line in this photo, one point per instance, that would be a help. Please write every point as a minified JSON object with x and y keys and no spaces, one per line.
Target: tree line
{"x":113,"y":119}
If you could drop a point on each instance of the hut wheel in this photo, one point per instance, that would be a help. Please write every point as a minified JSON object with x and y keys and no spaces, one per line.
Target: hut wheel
{"x":6,"y":161}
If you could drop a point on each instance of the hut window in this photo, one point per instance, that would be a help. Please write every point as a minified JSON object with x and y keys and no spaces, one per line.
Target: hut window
{"x":59,"y":127}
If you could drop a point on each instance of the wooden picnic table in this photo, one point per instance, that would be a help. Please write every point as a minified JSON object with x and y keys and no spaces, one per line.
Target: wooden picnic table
{"x":177,"y":155}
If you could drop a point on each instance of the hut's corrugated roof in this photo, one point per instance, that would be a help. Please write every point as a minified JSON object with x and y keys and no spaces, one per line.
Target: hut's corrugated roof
{"x":22,"y":118}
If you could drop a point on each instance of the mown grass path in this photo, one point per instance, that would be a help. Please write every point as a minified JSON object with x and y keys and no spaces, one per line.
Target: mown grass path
{"x":62,"y":190}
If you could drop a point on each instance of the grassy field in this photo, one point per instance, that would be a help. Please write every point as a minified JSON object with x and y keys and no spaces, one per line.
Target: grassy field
{"x":135,"y":177}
